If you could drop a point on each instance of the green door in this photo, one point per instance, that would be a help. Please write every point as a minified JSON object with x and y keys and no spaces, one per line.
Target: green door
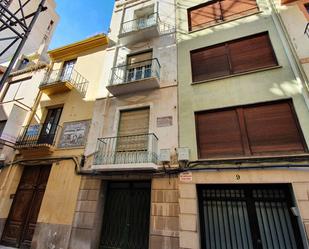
{"x":126,"y":216}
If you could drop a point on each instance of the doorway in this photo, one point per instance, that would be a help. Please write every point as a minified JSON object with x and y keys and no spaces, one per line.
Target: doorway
{"x":21,"y":223}
{"x":126,"y":216}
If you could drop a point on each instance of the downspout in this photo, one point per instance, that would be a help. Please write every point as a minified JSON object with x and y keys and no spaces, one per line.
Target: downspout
{"x":296,"y":66}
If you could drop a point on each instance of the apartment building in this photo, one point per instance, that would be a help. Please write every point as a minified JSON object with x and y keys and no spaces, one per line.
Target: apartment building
{"x":40,"y":36}
{"x":135,"y":116}
{"x":243,"y":115}
{"x":39,"y":188}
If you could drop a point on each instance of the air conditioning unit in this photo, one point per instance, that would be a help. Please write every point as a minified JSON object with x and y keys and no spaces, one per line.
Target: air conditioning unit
{"x":183,"y":154}
{"x":165,"y":155}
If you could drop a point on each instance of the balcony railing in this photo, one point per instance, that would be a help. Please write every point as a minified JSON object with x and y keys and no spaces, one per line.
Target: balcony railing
{"x":307,"y":30}
{"x":140,"y":23}
{"x":39,"y":134}
{"x":127,"y":150}
{"x":136,"y":71}
{"x":68,"y":75}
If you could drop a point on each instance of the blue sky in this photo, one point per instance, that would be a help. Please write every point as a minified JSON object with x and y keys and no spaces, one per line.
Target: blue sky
{"x":80,"y":19}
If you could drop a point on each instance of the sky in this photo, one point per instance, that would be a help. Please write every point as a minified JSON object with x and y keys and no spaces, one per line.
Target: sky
{"x":80,"y":19}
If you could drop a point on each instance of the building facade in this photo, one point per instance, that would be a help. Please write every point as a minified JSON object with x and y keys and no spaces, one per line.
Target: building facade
{"x":135,"y":116}
{"x":244,"y":117}
{"x":39,"y":188}
{"x":40,"y":36}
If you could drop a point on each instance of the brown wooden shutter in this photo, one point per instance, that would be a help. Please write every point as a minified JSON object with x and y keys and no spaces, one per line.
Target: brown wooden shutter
{"x":252,"y":53}
{"x":209,"y":63}
{"x":218,"y":134}
{"x":133,"y":130}
{"x":232,"y":9}
{"x":272,"y":129}
{"x":203,"y":15}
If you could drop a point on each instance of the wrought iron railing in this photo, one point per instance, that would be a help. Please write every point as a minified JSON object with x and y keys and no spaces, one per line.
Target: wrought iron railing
{"x":135,"y":71}
{"x":127,"y":149}
{"x":38,"y":134}
{"x":307,"y":30}
{"x":140,"y":23}
{"x":69,"y":75}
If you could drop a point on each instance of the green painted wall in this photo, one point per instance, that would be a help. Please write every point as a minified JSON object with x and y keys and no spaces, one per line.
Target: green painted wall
{"x":268,"y":85}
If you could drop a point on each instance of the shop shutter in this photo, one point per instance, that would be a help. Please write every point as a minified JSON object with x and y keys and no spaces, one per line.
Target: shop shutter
{"x":251,"y":53}
{"x":218,"y":134}
{"x":203,"y":15}
{"x":272,"y":129}
{"x":209,"y":63}
{"x":133,"y":130}
{"x":232,"y":9}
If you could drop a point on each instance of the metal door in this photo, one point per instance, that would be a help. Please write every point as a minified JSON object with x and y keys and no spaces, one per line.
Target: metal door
{"x":20,"y":225}
{"x":126,"y":216}
{"x":248,"y":217}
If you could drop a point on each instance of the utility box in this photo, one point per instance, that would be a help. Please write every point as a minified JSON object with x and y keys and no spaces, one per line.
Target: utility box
{"x":183,"y":154}
{"x":165,"y":155}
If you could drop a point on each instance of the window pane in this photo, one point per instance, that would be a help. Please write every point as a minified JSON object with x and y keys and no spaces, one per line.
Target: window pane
{"x":209,"y":63}
{"x":219,"y":134}
{"x":236,"y":8}
{"x":252,"y":53}
{"x":203,"y":16}
{"x":272,"y":128}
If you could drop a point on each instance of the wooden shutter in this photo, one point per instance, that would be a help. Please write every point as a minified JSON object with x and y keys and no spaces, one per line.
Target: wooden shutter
{"x":209,"y":63}
{"x":251,"y":53}
{"x":203,"y":15}
{"x":133,"y":130}
{"x":272,"y":128}
{"x":232,"y":9}
{"x":218,"y":134}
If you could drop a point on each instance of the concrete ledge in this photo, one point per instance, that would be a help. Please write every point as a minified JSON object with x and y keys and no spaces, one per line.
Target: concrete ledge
{"x":129,"y":166}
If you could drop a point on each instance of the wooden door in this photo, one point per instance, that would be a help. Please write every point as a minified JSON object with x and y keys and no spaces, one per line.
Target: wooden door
{"x":20,"y":226}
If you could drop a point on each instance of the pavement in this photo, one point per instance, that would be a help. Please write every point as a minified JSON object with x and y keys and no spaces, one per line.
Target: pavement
{"x":5,"y":247}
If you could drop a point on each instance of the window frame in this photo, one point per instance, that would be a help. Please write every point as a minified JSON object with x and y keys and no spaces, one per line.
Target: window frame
{"x":295,"y":118}
{"x":225,"y":44}
{"x":218,"y":21}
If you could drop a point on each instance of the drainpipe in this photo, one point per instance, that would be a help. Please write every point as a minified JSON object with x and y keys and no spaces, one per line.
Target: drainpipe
{"x":297,"y":68}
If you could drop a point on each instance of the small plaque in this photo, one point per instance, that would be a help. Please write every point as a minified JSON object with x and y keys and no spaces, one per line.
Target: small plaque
{"x":185,"y":176}
{"x":165,"y":121}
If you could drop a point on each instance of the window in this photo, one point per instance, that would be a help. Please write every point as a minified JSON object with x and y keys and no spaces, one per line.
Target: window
{"x":307,"y":7}
{"x":23,"y":63}
{"x":68,"y":69}
{"x":248,"y":216}
{"x":139,"y":66}
{"x":2,"y":125}
{"x":233,"y":57}
{"x":262,"y":129}
{"x":213,"y":12}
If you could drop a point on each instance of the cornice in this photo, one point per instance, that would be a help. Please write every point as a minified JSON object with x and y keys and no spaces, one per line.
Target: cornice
{"x":75,"y":49}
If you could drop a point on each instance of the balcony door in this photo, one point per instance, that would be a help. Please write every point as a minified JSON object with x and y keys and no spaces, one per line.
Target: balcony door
{"x":67,"y":69}
{"x":133,"y":137}
{"x":139,"y":66}
{"x":49,"y":128}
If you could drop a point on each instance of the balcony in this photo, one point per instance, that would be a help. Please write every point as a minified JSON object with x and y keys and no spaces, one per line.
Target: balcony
{"x":136,"y":152}
{"x":140,"y":29}
{"x":37,"y":139}
{"x":139,"y":76}
{"x":59,"y":81}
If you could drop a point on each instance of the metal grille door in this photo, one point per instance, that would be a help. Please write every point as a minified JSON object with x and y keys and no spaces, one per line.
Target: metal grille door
{"x":126,"y":216}
{"x":247,"y":217}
